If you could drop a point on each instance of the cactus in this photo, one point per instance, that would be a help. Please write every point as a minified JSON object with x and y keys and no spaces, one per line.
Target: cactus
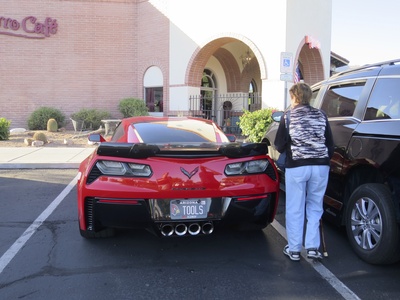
{"x":52,"y":125}
{"x":40,"y":136}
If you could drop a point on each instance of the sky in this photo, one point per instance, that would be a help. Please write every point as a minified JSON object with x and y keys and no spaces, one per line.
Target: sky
{"x":366,"y":31}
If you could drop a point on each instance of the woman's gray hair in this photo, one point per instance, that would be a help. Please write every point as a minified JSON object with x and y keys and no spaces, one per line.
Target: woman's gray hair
{"x":301,"y":92}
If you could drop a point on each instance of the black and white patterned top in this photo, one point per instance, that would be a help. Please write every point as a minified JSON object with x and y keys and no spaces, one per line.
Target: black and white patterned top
{"x":310,"y":139}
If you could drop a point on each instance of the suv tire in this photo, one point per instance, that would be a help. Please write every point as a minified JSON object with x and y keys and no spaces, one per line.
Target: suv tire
{"x":371,"y":224}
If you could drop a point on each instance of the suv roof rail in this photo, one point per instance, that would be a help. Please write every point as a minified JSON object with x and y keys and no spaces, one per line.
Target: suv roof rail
{"x":379,"y":64}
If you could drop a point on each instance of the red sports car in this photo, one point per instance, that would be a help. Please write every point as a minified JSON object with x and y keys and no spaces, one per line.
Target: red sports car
{"x":175,"y":176}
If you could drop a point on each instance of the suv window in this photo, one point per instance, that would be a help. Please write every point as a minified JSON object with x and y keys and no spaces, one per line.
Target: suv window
{"x":384,"y":102}
{"x":341,"y":100}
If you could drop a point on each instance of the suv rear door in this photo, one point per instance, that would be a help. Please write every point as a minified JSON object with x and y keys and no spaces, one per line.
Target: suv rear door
{"x":344,"y":104}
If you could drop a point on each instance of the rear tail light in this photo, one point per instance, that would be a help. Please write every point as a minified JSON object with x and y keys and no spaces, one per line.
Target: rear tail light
{"x":247,"y":167}
{"x":117,"y":168}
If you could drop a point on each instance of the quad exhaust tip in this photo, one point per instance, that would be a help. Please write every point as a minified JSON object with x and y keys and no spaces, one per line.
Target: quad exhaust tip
{"x":167,"y":230}
{"x":181,"y":229}
{"x":194,"y":229}
{"x":207,"y":228}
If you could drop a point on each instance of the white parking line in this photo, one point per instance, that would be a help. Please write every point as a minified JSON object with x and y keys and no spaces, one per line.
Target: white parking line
{"x":339,"y":286}
{"x":21,"y":241}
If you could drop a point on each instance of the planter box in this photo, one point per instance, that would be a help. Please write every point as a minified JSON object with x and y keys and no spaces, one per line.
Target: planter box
{"x":78,"y":125}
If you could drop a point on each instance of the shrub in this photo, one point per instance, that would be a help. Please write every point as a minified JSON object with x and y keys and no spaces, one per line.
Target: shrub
{"x":254,"y":124}
{"x":91,"y":117}
{"x":38,"y":119}
{"x":4,"y":129}
{"x":52,"y":125}
{"x":131,"y":107}
{"x":40,"y":136}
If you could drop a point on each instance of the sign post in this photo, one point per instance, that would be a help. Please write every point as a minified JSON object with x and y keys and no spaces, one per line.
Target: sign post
{"x":286,"y":71}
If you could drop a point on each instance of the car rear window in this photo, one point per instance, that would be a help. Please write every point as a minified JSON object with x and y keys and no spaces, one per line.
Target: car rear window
{"x":176,"y":132}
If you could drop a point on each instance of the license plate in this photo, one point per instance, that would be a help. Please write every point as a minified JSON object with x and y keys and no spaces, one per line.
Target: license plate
{"x":189,"y":208}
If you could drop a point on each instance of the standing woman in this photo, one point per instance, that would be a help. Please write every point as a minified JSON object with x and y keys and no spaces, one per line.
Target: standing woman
{"x":309,"y":147}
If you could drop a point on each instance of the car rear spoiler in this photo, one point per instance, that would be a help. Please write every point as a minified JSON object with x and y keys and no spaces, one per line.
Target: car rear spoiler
{"x":231,"y":150}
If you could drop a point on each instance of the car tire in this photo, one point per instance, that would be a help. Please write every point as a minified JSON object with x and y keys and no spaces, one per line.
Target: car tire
{"x":105,"y":233}
{"x":371,"y":224}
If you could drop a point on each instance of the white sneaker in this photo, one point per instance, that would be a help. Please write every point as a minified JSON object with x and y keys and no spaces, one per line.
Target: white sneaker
{"x":295,"y":256}
{"x":314,"y":254}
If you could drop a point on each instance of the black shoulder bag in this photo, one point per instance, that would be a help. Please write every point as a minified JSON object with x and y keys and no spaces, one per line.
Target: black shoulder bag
{"x":281,"y":162}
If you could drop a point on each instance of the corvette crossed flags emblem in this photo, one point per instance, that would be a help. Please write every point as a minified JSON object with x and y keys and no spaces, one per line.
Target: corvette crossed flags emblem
{"x":189,"y":175}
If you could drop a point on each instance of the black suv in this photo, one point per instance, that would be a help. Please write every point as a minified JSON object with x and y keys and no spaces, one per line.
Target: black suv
{"x":363,"y":193}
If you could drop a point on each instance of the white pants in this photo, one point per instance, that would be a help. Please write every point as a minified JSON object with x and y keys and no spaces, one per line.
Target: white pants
{"x":305,"y":189}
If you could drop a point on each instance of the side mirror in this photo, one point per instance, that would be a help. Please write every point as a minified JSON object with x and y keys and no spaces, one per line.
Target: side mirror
{"x":96,"y":138}
{"x":231,"y":137}
{"x":276,"y":116}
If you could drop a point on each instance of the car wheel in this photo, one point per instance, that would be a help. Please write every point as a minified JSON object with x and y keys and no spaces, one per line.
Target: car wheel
{"x":105,"y":233}
{"x":371,"y":224}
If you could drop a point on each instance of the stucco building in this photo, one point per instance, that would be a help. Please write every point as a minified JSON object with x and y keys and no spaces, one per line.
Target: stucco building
{"x":183,"y":57}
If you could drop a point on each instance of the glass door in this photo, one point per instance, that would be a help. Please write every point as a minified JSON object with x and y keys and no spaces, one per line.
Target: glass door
{"x":208,"y":91}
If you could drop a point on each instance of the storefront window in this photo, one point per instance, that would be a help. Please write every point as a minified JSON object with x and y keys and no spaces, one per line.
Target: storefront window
{"x":154,"y":99}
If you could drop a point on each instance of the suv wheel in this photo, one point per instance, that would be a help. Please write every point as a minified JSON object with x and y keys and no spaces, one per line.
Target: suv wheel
{"x":371,"y":224}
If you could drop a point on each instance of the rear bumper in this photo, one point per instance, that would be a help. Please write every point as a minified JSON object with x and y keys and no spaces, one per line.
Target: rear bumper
{"x":100,"y":213}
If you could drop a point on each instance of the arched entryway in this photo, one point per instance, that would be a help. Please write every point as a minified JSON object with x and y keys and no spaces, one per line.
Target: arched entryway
{"x":309,"y":66}
{"x":226,"y":71}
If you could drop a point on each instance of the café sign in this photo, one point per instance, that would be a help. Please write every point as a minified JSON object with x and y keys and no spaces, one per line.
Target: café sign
{"x":28,"y":27}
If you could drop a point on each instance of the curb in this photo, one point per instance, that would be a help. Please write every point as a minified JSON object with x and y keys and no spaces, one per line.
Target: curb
{"x":10,"y":166}
{"x":43,"y":158}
